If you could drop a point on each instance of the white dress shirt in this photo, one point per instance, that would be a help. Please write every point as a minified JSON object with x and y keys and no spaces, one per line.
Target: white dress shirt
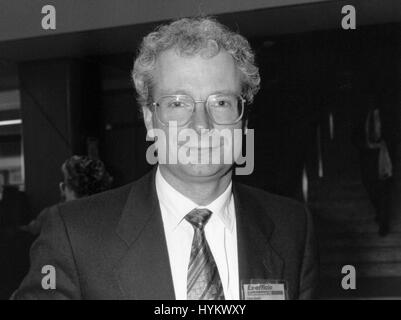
{"x":220,"y":232}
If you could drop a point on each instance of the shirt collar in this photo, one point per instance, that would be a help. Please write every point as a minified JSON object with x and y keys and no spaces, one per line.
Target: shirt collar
{"x":178,"y":206}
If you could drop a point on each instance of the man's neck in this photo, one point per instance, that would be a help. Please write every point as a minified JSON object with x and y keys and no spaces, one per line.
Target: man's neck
{"x":200,"y":192}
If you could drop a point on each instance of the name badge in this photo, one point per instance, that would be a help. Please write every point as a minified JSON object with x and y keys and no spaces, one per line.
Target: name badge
{"x":258,"y":289}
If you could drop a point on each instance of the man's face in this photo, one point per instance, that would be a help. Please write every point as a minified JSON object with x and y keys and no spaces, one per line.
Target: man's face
{"x":197,"y":77}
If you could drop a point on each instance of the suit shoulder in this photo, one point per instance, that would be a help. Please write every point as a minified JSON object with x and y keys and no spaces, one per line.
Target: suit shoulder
{"x":93,"y":209}
{"x":266,"y":196}
{"x":278,"y":207}
{"x":100,"y":213}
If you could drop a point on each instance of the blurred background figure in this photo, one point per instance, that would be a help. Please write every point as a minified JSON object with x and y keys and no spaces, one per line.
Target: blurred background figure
{"x":376,"y":164}
{"x":82,"y":177}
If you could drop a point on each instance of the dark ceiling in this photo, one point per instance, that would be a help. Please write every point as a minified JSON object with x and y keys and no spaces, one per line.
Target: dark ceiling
{"x":253,"y":24}
{"x":291,"y":22}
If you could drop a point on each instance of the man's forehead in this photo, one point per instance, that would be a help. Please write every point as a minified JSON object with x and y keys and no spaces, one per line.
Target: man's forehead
{"x":181,"y":72}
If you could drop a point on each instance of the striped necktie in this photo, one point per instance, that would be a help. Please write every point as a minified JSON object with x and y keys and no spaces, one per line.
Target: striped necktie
{"x":203,"y":282}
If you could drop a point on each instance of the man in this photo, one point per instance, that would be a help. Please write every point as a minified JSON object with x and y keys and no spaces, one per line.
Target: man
{"x":185,"y":230}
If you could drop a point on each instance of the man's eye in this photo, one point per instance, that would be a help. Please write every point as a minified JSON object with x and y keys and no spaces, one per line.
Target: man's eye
{"x":223,"y":103}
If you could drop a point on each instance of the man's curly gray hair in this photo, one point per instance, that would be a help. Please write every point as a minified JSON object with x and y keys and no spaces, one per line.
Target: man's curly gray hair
{"x":191,"y":36}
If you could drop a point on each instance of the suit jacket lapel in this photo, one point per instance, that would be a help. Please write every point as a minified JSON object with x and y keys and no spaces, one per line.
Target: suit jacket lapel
{"x":257,"y":258}
{"x":144,"y":270}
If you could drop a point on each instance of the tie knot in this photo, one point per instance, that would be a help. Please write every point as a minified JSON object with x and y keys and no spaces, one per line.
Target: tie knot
{"x":198,"y":217}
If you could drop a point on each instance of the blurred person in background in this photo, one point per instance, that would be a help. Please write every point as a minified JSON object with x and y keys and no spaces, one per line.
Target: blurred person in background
{"x":82,"y":177}
{"x":375,"y":161}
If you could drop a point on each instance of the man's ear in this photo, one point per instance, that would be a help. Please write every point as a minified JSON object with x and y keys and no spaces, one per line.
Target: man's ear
{"x":148,"y":120}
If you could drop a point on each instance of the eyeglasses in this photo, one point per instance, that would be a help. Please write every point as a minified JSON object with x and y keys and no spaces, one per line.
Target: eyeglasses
{"x":223,"y":109}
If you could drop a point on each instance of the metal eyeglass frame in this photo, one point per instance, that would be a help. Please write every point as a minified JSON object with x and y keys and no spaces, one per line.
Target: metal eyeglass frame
{"x":243,"y":101}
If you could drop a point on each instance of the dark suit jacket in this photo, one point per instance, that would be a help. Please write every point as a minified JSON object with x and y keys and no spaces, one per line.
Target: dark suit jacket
{"x":112,"y":245}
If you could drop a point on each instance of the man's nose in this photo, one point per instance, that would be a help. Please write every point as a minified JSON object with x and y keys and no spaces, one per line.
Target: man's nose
{"x":200,"y":118}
